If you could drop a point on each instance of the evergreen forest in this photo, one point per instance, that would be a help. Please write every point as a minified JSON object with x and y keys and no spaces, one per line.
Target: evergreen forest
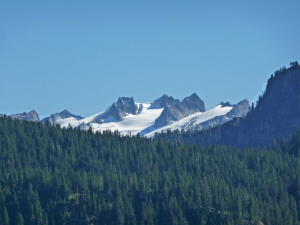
{"x":51,"y":176}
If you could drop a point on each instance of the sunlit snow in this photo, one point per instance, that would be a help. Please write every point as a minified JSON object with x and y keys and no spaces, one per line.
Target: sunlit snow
{"x":193,"y":120}
{"x":143,"y":122}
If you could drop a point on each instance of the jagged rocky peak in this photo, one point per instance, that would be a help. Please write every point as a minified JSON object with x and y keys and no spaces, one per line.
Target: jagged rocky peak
{"x":127,"y":105}
{"x":244,"y":104}
{"x":225,"y":104}
{"x":239,"y":110}
{"x":193,"y":103}
{"x":121,"y":108}
{"x":66,"y":114}
{"x":30,"y":116}
{"x":178,"y":110}
{"x":165,"y":101}
{"x":54,"y":118}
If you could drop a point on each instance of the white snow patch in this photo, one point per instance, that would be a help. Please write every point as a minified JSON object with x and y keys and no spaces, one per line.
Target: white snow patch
{"x":71,"y":121}
{"x":192,"y":120}
{"x":132,"y":124}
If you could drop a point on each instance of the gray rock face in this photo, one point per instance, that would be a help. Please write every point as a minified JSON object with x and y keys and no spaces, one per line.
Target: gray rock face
{"x":121,"y":108}
{"x":224,"y":104}
{"x":62,"y":115}
{"x":126,"y":106}
{"x":31,"y":116}
{"x":193,"y":104}
{"x":165,"y":101}
{"x":240,"y":109}
{"x":175,"y":110}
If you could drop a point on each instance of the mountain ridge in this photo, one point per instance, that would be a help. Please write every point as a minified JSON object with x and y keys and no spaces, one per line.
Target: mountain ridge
{"x":130,"y":117}
{"x":276,"y":115}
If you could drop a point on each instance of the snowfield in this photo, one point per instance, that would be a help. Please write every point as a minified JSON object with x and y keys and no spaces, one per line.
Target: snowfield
{"x":191,"y":121}
{"x":132,"y":124}
{"x":143,"y":122}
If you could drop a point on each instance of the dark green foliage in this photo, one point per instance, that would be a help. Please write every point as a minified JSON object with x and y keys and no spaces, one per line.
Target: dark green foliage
{"x":5,"y":217}
{"x":20,"y":220}
{"x":50,"y":175}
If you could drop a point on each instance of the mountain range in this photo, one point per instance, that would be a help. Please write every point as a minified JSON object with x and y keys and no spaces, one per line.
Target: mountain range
{"x":275,"y":115}
{"x":160,"y":115}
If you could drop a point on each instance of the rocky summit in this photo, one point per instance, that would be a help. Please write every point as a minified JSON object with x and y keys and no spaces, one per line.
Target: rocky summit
{"x":178,"y":110}
{"x":57,"y":117}
{"x":30,"y":116}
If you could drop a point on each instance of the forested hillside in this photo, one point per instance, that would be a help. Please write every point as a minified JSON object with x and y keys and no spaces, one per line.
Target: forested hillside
{"x":50,"y":175}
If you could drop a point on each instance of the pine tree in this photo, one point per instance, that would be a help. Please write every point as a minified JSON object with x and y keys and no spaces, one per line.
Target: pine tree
{"x":5,"y":216}
{"x":20,"y":220}
{"x":38,"y":211}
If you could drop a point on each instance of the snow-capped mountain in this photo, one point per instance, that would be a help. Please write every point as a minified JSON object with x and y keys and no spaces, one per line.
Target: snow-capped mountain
{"x":199,"y":120}
{"x":174,"y":110}
{"x":165,"y":113}
{"x":63,"y":118}
{"x":160,"y":115}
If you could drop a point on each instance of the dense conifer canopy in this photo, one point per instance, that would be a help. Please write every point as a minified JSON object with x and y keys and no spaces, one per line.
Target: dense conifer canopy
{"x":50,"y":175}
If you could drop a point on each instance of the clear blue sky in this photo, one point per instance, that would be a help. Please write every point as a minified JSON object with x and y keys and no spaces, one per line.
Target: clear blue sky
{"x":83,"y":55}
